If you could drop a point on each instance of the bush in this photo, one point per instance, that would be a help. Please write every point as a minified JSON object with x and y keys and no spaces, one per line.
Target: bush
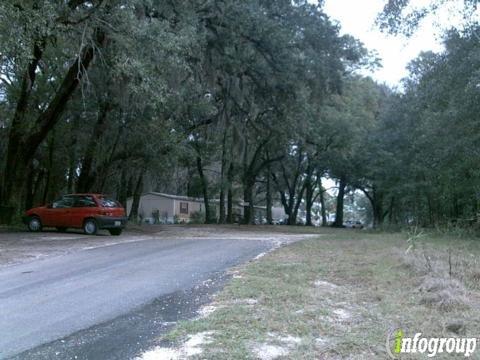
{"x":6,"y":215}
{"x":197,"y":217}
{"x":445,"y":293}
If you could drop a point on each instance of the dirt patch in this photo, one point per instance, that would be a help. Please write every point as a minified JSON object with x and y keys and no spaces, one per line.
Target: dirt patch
{"x":325,"y":285}
{"x":193,"y":346}
{"x":20,"y":247}
{"x":276,"y":346}
{"x":342,"y":314}
{"x":207,"y":310}
{"x":268,"y":351}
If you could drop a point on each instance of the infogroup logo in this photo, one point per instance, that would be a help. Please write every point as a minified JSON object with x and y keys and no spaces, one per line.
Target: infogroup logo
{"x":398,"y":344}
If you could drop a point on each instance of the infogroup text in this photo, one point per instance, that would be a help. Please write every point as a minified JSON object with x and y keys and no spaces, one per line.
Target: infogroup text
{"x":429,"y":346}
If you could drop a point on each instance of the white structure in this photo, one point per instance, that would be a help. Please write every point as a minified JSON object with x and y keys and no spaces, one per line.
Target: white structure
{"x":167,"y":207}
{"x":278,"y":213}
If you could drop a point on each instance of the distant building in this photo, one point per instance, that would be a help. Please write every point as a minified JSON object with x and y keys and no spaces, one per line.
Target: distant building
{"x":166,"y":208}
{"x":278,"y":213}
{"x":330,"y":218}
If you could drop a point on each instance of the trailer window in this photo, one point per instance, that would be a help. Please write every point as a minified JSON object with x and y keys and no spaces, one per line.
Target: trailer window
{"x":184,"y":208}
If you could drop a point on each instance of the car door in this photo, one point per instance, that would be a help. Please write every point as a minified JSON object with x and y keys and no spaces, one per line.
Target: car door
{"x":57,"y":213}
{"x":83,"y":207}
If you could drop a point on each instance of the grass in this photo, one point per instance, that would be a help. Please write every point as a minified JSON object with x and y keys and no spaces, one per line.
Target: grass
{"x":12,"y":228}
{"x":338,"y":296}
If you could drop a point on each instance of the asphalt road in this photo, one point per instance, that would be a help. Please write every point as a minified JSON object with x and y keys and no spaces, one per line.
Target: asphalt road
{"x":108,"y":291}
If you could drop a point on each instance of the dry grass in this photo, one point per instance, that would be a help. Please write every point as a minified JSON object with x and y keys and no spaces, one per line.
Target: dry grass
{"x":445,"y":293}
{"x":449,"y":271}
{"x":339,"y":296}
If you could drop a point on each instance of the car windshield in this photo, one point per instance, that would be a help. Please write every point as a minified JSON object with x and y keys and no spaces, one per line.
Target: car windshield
{"x":109,"y":202}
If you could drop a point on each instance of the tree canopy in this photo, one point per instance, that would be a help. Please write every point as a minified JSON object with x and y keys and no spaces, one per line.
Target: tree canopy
{"x":251,"y":103}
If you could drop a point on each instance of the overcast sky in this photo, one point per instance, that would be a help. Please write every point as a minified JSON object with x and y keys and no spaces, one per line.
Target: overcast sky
{"x":357,"y":18}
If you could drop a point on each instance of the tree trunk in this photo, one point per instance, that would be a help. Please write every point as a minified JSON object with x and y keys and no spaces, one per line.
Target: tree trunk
{"x":22,"y":145}
{"x":377,"y":209}
{"x":86,"y":178}
{"x":341,"y":194}
{"x":203,"y":181}
{"x":321,"y":195}
{"x":136,"y":198}
{"x":30,"y":189}
{"x":36,"y":188}
{"x":297,"y":205}
{"x":376,"y":201}
{"x":323,"y":210}
{"x":104,"y":169}
{"x":391,"y":213}
{"x":287,"y":205}
{"x":51,"y":149}
{"x":269,"y":198}
{"x":230,"y":218}
{"x":292,"y":217}
{"x":221,"y":207}
{"x":310,"y":189}
{"x":122,"y":191}
{"x":72,"y":159}
{"x":251,"y":168}
{"x":46,"y":188}
{"x":248,"y":209}
{"x":308,"y":209}
{"x":290,"y":187}
{"x":12,"y":176}
{"x":221,"y":216}
{"x":71,"y":175}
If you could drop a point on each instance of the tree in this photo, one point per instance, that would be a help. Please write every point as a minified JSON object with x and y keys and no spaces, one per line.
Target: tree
{"x":29,"y":127}
{"x":226,"y":97}
{"x":401,"y":16}
{"x":419,"y":159}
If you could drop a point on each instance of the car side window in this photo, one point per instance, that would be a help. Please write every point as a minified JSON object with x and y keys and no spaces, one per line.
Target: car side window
{"x":84,"y":201}
{"x":63,"y":202}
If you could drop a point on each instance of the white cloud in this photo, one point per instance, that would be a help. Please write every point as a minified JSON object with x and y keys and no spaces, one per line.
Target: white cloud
{"x":357,"y":18}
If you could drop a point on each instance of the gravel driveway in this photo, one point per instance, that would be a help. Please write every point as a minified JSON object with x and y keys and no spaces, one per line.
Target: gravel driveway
{"x":70,"y":295}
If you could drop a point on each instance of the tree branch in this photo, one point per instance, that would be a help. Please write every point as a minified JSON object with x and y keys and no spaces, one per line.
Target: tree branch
{"x":47,"y":119}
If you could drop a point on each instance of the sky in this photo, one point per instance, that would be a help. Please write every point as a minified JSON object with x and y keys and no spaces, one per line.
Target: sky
{"x":357,"y":17}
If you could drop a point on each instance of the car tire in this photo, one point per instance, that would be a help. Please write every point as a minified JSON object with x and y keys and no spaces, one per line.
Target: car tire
{"x":90,"y":227}
{"x":34,"y":224}
{"x":115,"y":232}
{"x":61,"y":229}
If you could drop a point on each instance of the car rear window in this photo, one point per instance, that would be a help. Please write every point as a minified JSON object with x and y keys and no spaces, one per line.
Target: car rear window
{"x":109,"y":202}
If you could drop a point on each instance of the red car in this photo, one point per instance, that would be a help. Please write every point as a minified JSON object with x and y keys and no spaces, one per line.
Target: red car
{"x":90,"y":212}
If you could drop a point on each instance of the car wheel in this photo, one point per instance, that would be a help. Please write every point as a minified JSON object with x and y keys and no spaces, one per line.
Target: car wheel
{"x":35,"y":224}
{"x":115,"y":232}
{"x":90,"y":227}
{"x":61,"y":229}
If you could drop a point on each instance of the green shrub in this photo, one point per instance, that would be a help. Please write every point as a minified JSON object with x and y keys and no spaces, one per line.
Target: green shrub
{"x":197,"y":217}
